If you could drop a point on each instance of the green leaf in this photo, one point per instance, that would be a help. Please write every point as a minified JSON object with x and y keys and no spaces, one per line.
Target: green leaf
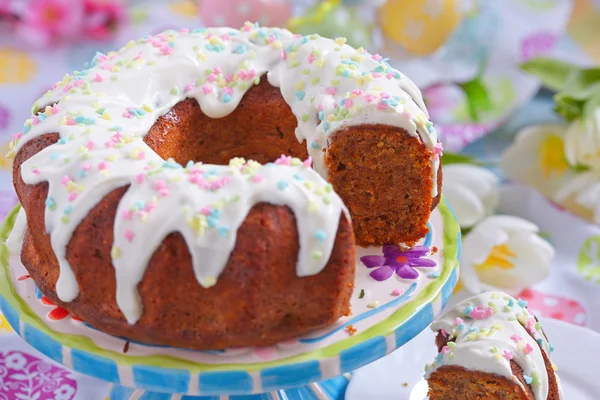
{"x":454,"y":158}
{"x":592,"y":106}
{"x":552,"y":73}
{"x":477,"y":96}
{"x":570,"y":108}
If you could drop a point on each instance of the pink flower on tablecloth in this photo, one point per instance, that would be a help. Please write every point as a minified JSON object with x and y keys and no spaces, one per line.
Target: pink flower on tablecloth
{"x":23,"y":376}
{"x":537,"y":44}
{"x":4,"y":117}
{"x":103,"y":17}
{"x":556,"y":307}
{"x":45,"y":22}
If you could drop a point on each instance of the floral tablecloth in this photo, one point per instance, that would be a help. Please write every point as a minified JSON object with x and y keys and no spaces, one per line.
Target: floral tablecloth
{"x":571,"y":293}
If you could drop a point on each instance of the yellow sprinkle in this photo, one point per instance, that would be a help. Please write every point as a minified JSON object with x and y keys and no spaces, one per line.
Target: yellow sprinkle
{"x":300,"y":85}
{"x":340,"y":41}
{"x":374,"y":304}
{"x":209,"y":281}
{"x":106,"y":116}
{"x":147,"y":108}
{"x":313,"y":207}
{"x":115,"y":252}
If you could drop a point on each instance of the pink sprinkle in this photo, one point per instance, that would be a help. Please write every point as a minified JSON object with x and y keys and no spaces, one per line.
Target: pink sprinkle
{"x":205,"y":211}
{"x":390,"y":75}
{"x":228,"y":90}
{"x":127,"y":114}
{"x":478,"y":313}
{"x":90,"y":145}
{"x":331,"y":90}
{"x":489,"y":312}
{"x":98,"y":78}
{"x":106,"y":66}
{"x":297,"y":35}
{"x":129,"y":235}
{"x":458,"y":321}
{"x":308,"y":162}
{"x":35,"y":120}
{"x":127,"y":214}
{"x":357,"y":92}
{"x":184,"y":30}
{"x":321,"y":107}
{"x":150,"y":206}
{"x":55,"y":85}
{"x":225,"y":36}
{"x":188,"y":87}
{"x":528,"y":349}
{"x":257,"y":178}
{"x":282,"y":54}
{"x":141,"y":155}
{"x":516,"y":338}
{"x":206,"y":89}
{"x":71,"y":121}
{"x":284,"y":160}
{"x":166,"y":50}
{"x":381,"y":105}
{"x":311,"y":58}
{"x":211,"y":78}
{"x":376,"y":74}
{"x":72,"y":196}
{"x":139,"y":178}
{"x":103,"y":165}
{"x":86,"y":166}
{"x":271,"y":39}
{"x":348,"y":103}
{"x":217,"y":70}
{"x":65,"y":179}
{"x":370,"y":98}
{"x":228,"y":78}
{"x":138,"y":57}
{"x":67,"y":88}
{"x":78,"y":82}
{"x":158,"y":185}
{"x":445,"y":350}
{"x":438,"y":150}
{"x":376,"y":57}
{"x":508,"y":355}
{"x":397,"y":292}
{"x":36,"y":171}
{"x":55,"y":109}
{"x":17,"y":136}
{"x":444,"y":332}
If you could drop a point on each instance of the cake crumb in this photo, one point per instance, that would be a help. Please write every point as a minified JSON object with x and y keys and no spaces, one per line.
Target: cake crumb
{"x":405,"y":384}
{"x":351,"y":330}
{"x":434,"y":250}
{"x":126,"y":347}
{"x":374,"y":304}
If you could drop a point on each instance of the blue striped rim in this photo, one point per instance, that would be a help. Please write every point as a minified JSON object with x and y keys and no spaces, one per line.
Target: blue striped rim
{"x":43,"y":343}
{"x":10,"y":314}
{"x":363,"y":353}
{"x":91,"y":364}
{"x":335,"y":388}
{"x":291,"y":375}
{"x":419,"y":321}
{"x":157,"y":378}
{"x":238,"y":382}
{"x":429,"y":236}
{"x":155,"y":396}
{"x":120,"y":393}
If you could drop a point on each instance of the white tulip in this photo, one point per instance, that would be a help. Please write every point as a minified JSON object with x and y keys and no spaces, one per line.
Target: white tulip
{"x":582,"y":195}
{"x":582,"y":141}
{"x":472,"y":192}
{"x":537,"y":158}
{"x":504,"y":253}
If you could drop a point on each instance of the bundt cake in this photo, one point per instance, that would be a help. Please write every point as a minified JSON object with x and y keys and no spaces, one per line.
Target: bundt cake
{"x":128,"y":234}
{"x":491,"y":347}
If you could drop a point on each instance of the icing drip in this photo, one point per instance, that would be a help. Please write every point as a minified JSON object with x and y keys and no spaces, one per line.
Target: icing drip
{"x":489,"y":330}
{"x":103,"y":113}
{"x":14,"y":241}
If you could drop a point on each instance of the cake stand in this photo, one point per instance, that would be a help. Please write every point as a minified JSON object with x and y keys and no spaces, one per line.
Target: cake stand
{"x":385,"y":315}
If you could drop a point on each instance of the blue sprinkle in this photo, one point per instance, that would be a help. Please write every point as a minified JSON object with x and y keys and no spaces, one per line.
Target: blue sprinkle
{"x":240,"y":49}
{"x":226,"y":98}
{"x":83,"y":173}
{"x":528,"y":379}
{"x":315,"y":145}
{"x":300,"y":94}
{"x":140,"y":111}
{"x":298,"y":178}
{"x":55,"y":156}
{"x":473,"y":329}
{"x":215,"y":213}
{"x":430,"y":128}
{"x":434,"y":275}
{"x":321,"y":115}
{"x":551,"y":347}
{"x":468,"y":310}
{"x":80,"y":119}
{"x":68,"y":209}
{"x":281,"y":185}
{"x":212,"y":221}
{"x":90,"y":121}
{"x":540,"y":341}
{"x":522,"y":303}
{"x":140,"y":205}
{"x":223,"y":231}
{"x":511,"y":302}
{"x":42,"y":117}
{"x":189,"y":164}
{"x":172,"y":44}
{"x":304,"y":40}
{"x":50,"y":203}
{"x":439,"y":358}
{"x":346,"y":74}
{"x":379,"y":68}
{"x":325,"y":126}
{"x":460,"y":326}
{"x":26,"y":128}
{"x":63,"y":141}
{"x":320,"y":235}
{"x":209,"y":47}
{"x":397,"y":75}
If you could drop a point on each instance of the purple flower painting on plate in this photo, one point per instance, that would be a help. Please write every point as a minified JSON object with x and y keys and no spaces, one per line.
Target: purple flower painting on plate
{"x":396,"y":260}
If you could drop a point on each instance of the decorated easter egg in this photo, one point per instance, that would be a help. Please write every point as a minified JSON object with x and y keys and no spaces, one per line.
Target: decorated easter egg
{"x":551,"y":306}
{"x":420,"y":27}
{"x":234,"y":14}
{"x":330,"y":19}
{"x":16,"y":66}
{"x":186,"y":8}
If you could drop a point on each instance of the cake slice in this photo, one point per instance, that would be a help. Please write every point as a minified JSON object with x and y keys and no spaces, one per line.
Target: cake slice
{"x":491,"y":347}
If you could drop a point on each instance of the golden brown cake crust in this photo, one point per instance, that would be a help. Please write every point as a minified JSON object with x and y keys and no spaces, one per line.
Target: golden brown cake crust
{"x":258,"y":300}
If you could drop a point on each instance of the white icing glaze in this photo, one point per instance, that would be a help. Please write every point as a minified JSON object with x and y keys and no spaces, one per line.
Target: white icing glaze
{"x":14,"y":241}
{"x":488,"y":330}
{"x":103,"y":113}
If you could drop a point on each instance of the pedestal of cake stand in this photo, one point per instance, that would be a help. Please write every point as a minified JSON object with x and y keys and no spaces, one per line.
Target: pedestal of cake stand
{"x":385,"y":316}
{"x":330,"y":389}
